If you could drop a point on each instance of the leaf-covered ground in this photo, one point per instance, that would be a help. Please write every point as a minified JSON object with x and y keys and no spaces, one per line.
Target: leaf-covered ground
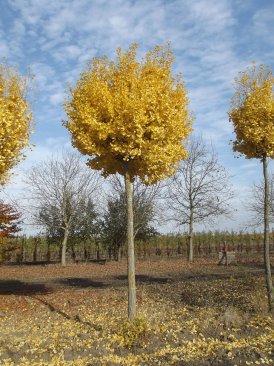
{"x":200,"y":314}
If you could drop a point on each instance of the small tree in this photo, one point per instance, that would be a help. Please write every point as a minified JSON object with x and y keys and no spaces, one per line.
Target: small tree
{"x":15,"y":120}
{"x":252,"y":114}
{"x":49,"y":218}
{"x":86,"y":227}
{"x":145,"y":200}
{"x":199,"y":191}
{"x":9,"y":226}
{"x":130,"y":117}
{"x":115,"y":218}
{"x":57,"y":189}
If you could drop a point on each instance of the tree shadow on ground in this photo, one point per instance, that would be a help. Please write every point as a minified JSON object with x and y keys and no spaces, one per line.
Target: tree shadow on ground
{"x":29,"y":263}
{"x":55,"y":309}
{"x":144,"y":279}
{"x":16,"y":287}
{"x":219,"y":292}
{"x":254,"y":264}
{"x":112,"y":282}
{"x":224,"y":275}
{"x":81,"y":283}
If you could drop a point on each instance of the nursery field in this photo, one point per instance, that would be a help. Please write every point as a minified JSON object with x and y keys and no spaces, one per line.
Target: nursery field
{"x":188,"y":314}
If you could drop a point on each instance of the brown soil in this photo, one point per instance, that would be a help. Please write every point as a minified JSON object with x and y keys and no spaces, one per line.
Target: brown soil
{"x":43,"y":292}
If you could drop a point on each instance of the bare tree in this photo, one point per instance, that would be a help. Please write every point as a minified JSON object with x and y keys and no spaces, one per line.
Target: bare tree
{"x":57,"y":188}
{"x":199,"y":191}
{"x":257,"y":201}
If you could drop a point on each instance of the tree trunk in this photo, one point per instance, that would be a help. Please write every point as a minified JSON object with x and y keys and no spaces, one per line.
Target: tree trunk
{"x":22,"y":256}
{"x":34,"y":259}
{"x":73,"y":254}
{"x":109,"y":253}
{"x":64,"y":247}
{"x":190,"y":237}
{"x":130,"y":243}
{"x":119,"y":254}
{"x":268,"y":277}
{"x":85,"y":251}
{"x":48,"y":252}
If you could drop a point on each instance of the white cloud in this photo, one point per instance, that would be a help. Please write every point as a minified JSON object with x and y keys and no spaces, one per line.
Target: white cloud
{"x":250,"y":165}
{"x":67,"y":53}
{"x":44,"y":74}
{"x":4,"y":50}
{"x":263,"y":23}
{"x":57,"y":99}
{"x":18,"y":29}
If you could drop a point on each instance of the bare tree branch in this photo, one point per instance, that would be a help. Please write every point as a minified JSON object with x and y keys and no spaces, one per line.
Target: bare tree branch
{"x":57,"y":189}
{"x":256,"y":203}
{"x":200,"y":190}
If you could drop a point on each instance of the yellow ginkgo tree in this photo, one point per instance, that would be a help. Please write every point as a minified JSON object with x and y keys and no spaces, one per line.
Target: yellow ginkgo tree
{"x":252,"y":113}
{"x":131,"y":118}
{"x":15,"y":120}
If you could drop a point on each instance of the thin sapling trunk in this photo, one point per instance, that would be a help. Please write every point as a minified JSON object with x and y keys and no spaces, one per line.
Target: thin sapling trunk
{"x":268,"y":277}
{"x":130,"y":244}
{"x":190,"y":235}
{"x":64,"y":246}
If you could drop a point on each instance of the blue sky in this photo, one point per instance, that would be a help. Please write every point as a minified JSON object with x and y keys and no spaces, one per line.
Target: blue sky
{"x":212,"y":41}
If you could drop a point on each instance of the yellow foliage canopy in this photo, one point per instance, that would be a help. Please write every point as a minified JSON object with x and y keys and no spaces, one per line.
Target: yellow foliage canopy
{"x":252,"y":113}
{"x":129,"y":115}
{"x":15,"y":120}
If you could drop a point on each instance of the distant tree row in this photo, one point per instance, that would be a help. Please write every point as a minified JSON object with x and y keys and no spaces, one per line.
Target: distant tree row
{"x":72,"y":205}
{"x":206,"y":245}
